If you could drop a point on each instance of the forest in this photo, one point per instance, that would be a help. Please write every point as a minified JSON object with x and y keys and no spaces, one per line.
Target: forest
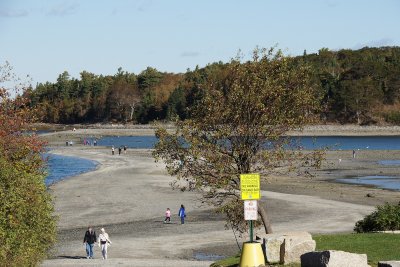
{"x":354,"y":86}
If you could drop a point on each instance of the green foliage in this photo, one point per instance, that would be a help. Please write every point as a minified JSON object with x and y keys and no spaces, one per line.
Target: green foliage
{"x":177,"y":104}
{"x":385,"y":217}
{"x":354,"y":85}
{"x":27,"y":226}
{"x":123,"y":97}
{"x":227,"y":262}
{"x":393,"y":117}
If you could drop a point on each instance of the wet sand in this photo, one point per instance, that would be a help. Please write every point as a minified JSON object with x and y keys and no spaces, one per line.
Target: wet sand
{"x":128,"y":195}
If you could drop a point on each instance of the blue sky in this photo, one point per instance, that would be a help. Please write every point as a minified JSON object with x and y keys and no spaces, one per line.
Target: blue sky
{"x":44,"y":38}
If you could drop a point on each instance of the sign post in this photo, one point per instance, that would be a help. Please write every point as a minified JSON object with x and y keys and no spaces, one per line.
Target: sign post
{"x":250,"y":191}
{"x":252,"y":254}
{"x":251,"y":214}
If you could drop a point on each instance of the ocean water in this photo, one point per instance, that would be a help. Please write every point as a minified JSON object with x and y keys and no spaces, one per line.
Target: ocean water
{"x":144,"y":142}
{"x":381,"y":181}
{"x":305,"y":142}
{"x":61,"y":167}
{"x":394,"y":162}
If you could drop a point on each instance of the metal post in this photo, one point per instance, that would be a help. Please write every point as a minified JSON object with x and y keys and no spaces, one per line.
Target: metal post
{"x":251,"y":231}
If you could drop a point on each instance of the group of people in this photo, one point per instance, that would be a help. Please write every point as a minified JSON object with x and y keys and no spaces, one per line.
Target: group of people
{"x":91,"y":239}
{"x":119,"y":150}
{"x":103,"y":240}
{"x":181,"y":214}
{"x":89,"y":142}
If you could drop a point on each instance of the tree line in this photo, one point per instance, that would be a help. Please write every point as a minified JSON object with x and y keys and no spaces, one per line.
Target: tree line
{"x":355,"y":86}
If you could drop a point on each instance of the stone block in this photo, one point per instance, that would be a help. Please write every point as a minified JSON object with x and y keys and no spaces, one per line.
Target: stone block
{"x":333,"y":258}
{"x":273,"y":249}
{"x":389,"y":264}
{"x":294,"y":247}
{"x":287,"y":247}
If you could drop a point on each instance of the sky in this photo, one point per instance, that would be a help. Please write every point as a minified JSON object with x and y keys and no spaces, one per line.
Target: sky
{"x":44,"y":38}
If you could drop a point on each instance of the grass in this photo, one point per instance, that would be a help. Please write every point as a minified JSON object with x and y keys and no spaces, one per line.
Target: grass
{"x":377,"y":246}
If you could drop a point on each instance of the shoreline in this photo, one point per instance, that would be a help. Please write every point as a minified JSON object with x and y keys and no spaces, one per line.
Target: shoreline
{"x":66,"y":132}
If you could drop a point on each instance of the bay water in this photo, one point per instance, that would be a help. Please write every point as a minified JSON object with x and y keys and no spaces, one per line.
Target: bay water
{"x":305,"y":142}
{"x":61,"y":167}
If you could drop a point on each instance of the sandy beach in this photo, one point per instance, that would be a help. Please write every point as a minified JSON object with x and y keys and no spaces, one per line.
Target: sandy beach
{"x":128,"y":195}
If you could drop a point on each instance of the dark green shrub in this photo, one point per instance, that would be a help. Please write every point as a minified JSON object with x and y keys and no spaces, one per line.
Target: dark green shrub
{"x":393,"y":117}
{"x":384,"y":218}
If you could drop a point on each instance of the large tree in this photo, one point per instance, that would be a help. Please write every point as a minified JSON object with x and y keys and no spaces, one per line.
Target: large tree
{"x":239,"y":127}
{"x":27,"y":224}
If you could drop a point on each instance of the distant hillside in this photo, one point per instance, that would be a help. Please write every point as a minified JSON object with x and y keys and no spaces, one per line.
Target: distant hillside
{"x":356,"y":86}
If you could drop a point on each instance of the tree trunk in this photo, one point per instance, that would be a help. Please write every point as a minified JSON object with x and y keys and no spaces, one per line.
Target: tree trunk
{"x":132,"y":111}
{"x":262,"y":210}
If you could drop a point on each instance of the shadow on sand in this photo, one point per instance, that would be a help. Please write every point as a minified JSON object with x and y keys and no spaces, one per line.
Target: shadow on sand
{"x":71,"y":257}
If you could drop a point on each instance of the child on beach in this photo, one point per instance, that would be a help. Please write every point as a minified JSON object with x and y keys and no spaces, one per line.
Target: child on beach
{"x":182,"y":214}
{"x":167,"y":216}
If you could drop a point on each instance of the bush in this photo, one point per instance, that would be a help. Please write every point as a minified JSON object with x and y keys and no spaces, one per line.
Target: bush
{"x":27,"y":226}
{"x":393,"y":117}
{"x":385,"y":218}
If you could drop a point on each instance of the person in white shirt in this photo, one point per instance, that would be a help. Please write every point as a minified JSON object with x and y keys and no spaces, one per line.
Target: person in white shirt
{"x":104,"y":242}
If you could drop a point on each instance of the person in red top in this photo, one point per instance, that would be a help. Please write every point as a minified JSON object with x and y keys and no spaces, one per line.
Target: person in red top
{"x":167,"y":216}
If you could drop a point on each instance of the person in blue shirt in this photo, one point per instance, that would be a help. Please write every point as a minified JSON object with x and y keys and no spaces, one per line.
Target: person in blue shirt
{"x":182,"y":214}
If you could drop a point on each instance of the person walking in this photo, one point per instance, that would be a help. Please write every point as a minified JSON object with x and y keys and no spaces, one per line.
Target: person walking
{"x":167,"y":216}
{"x":112,"y":150}
{"x":88,"y":241}
{"x":182,"y":214}
{"x":124,"y":149}
{"x":119,"y":150}
{"x":104,"y":242}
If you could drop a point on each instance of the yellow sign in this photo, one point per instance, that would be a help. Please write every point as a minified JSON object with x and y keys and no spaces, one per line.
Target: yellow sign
{"x":250,"y":186}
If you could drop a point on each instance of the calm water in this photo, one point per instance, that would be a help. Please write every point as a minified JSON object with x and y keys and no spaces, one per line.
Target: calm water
{"x":394,"y":162}
{"x":129,"y":141}
{"x":61,"y":167}
{"x":306,"y":142}
{"x":381,"y":181}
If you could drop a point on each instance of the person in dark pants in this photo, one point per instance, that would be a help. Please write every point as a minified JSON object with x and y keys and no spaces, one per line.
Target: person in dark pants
{"x":182,"y":214}
{"x":119,"y":150}
{"x":89,"y":240}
